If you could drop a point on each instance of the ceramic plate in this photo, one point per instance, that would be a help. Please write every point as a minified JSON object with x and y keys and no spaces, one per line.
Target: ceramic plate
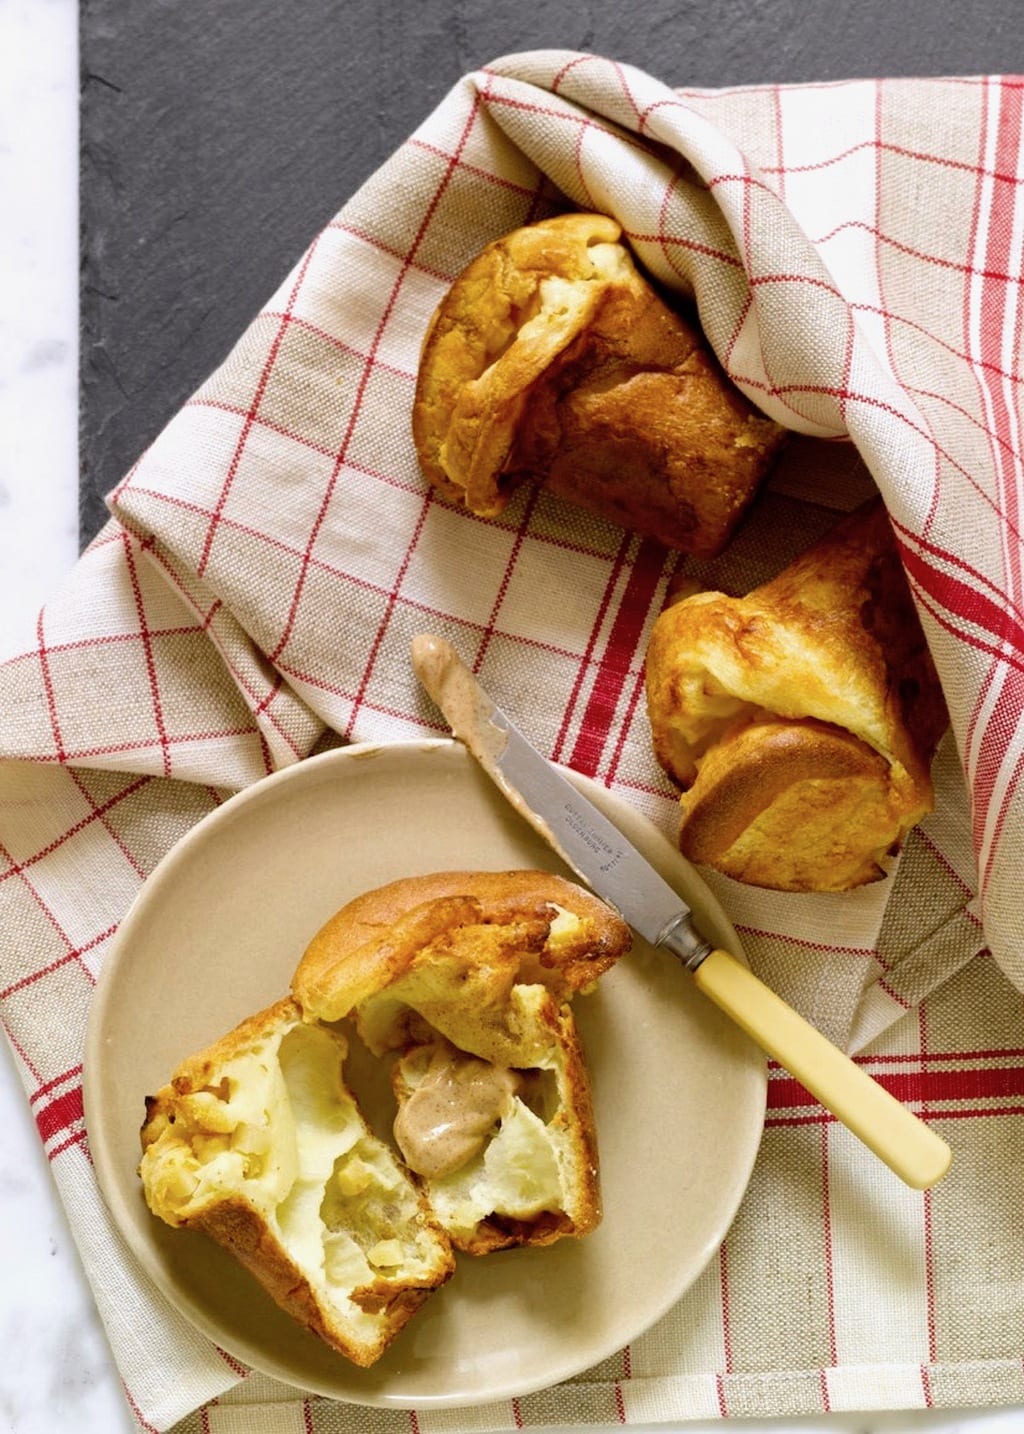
{"x":215,"y":935}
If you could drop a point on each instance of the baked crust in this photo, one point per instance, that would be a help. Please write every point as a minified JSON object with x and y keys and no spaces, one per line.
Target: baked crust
{"x":801,"y":720}
{"x":221,"y":1156}
{"x":381,"y":935}
{"x":551,"y":358}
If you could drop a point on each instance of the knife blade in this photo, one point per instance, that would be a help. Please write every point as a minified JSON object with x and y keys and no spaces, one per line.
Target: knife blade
{"x":594,"y":848}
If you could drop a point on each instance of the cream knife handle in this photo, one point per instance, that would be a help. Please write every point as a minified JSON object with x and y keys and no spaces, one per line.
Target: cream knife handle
{"x":909,"y":1147}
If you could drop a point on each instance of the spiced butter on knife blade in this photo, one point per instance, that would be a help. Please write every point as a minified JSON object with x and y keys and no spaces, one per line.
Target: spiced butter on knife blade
{"x":598,"y":852}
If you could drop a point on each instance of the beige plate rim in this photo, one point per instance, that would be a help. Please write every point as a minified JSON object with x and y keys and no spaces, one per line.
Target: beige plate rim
{"x":714,"y":1080}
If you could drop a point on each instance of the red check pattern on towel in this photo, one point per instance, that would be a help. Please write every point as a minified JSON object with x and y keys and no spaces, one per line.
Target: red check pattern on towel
{"x":854,"y":251}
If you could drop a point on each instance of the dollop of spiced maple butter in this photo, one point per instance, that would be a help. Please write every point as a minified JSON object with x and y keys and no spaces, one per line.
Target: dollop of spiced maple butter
{"x":446,"y":1119}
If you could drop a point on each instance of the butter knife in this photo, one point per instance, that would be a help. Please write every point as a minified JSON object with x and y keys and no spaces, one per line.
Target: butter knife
{"x":594,"y":848}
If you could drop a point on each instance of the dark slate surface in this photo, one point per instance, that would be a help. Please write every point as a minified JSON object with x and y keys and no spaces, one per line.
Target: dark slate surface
{"x":205,"y":121}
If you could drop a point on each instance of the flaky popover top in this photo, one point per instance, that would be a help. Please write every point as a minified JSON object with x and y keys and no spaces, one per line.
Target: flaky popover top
{"x":800,"y":720}
{"x":552,"y":358}
{"x":454,"y":947}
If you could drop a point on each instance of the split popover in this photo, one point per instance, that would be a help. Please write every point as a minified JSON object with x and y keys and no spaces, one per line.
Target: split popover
{"x":468,"y":977}
{"x":462,"y":982}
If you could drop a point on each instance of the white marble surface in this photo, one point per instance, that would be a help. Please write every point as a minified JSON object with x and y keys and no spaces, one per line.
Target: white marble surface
{"x":56,"y":1372}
